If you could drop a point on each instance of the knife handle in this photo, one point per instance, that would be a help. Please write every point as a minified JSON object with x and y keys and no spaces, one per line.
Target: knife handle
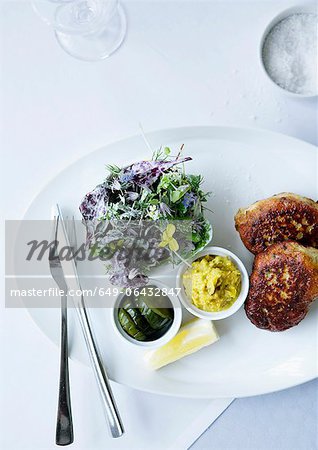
{"x":108,"y":401}
{"x":64,"y":423}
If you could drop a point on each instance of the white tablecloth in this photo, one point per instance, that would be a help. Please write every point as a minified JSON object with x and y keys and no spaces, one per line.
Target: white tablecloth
{"x":183,"y":63}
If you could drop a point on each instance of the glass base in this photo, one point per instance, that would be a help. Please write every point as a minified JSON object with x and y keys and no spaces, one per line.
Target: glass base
{"x":99,"y":45}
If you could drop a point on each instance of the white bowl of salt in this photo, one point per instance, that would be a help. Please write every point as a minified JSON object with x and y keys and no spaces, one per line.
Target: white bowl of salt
{"x":288,"y":51}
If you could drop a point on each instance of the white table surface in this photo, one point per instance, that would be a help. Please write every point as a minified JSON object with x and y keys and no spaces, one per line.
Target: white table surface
{"x":183,"y":63}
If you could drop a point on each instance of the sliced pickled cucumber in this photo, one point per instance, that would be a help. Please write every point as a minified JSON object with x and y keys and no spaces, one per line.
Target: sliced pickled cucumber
{"x":156,"y":334}
{"x":140,"y":322}
{"x":129,"y":326}
{"x":154,"y":302}
{"x":166,"y":313}
{"x":155,"y":320}
{"x":143,"y":319}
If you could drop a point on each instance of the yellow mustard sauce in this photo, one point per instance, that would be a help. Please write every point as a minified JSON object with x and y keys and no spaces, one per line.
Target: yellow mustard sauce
{"x":213,"y":283}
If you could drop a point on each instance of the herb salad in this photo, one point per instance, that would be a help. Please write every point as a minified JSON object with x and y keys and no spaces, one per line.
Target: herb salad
{"x":156,"y":201}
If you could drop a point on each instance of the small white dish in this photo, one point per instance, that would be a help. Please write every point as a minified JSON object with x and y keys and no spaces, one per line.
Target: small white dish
{"x":305,"y":8}
{"x":186,"y":301}
{"x":169,"y":334}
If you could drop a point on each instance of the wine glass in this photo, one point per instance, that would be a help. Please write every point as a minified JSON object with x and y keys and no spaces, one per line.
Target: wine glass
{"x":86,"y":29}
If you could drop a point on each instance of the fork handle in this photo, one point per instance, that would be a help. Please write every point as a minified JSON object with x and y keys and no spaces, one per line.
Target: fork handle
{"x":108,"y":401}
{"x":64,"y":423}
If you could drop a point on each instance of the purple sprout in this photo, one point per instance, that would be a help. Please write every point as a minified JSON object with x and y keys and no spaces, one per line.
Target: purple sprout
{"x":146,"y":173}
{"x":94,"y":203}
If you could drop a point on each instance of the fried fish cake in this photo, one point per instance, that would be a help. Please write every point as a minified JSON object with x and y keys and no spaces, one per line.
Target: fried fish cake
{"x":279,"y":218}
{"x":283,"y":284}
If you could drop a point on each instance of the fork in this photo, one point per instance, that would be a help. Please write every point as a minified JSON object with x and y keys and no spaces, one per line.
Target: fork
{"x":64,"y":423}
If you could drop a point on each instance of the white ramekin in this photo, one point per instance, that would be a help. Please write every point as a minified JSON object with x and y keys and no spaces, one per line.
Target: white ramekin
{"x":169,"y":334}
{"x":305,"y":8}
{"x":187,"y":303}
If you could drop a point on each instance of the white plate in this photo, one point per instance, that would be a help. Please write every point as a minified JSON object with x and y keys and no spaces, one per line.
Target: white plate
{"x":239,"y":167}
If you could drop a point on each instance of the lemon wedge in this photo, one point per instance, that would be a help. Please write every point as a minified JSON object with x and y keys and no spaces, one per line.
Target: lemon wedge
{"x":193,"y":336}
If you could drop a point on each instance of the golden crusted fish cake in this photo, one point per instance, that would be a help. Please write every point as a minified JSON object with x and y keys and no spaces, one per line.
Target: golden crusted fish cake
{"x":279,"y":218}
{"x":283,"y":284}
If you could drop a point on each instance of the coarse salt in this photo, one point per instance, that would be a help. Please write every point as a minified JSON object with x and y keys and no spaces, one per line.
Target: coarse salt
{"x":290,"y":53}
